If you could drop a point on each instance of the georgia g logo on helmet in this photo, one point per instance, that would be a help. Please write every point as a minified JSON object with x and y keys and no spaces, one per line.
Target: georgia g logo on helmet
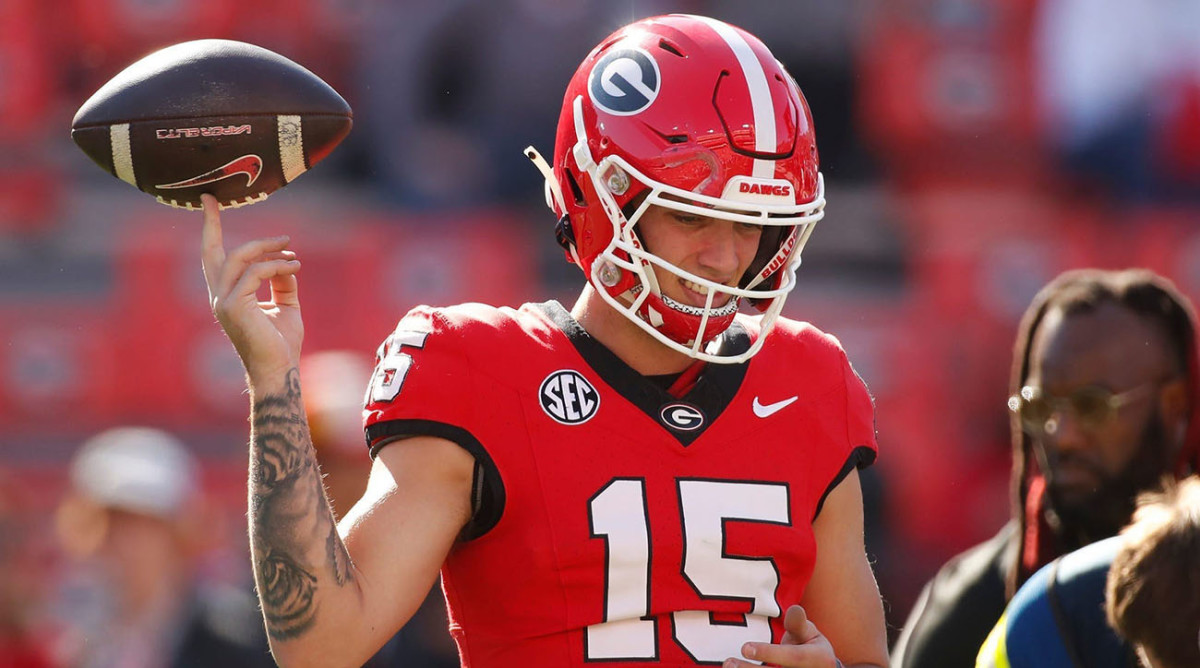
{"x":624,"y":82}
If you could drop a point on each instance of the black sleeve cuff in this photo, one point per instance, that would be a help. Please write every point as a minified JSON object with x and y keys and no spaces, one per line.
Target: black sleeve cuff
{"x":860,"y":458}
{"x":487,"y":489}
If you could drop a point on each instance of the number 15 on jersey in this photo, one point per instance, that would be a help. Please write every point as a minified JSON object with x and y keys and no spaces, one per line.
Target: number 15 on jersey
{"x":618,"y":513}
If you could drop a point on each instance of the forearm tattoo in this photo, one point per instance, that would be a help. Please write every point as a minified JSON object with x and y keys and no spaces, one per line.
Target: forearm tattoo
{"x":292,"y":530}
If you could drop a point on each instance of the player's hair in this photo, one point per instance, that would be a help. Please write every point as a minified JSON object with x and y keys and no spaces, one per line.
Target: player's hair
{"x":1080,"y":291}
{"x":1151,"y":595}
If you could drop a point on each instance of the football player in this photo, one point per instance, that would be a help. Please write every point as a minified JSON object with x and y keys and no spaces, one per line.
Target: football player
{"x":649,"y":477}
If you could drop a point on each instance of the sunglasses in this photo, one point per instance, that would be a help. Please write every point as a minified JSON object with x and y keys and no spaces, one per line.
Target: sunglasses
{"x":1094,"y":407}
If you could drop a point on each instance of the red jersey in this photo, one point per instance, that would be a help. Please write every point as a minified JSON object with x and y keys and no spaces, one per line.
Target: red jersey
{"x":615,"y":522}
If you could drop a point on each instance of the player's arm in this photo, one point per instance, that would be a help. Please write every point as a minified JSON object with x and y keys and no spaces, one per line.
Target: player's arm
{"x":324,"y":604}
{"x":842,"y":597}
{"x":332,"y":598}
{"x":841,"y":618}
{"x":417,"y":502}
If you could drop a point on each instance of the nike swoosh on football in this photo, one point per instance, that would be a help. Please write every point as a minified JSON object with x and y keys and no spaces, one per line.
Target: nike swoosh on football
{"x":250,"y":165}
{"x":767,"y":410}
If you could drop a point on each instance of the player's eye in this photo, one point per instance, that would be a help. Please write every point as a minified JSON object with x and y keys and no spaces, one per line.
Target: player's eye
{"x":688,"y":218}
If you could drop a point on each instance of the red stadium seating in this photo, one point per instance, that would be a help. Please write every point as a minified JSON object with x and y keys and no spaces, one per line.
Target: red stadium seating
{"x":1178,"y":145}
{"x":986,"y":251}
{"x":28,"y":185}
{"x":1165,"y":240}
{"x":478,"y":256}
{"x":108,"y":35}
{"x":29,"y":197}
{"x":905,"y":353}
{"x":26,"y":76}
{"x":57,"y":368}
{"x":319,"y":34}
{"x":946,"y":88}
{"x":358,"y":278}
{"x":978,"y":257}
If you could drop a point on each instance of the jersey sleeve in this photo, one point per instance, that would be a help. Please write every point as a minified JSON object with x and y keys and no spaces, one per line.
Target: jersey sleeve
{"x":425,"y":385}
{"x":860,"y":417}
{"x":422,"y":383}
{"x":855,"y":409}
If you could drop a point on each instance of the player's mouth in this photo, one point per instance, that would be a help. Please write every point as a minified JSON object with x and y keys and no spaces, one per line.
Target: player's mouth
{"x":697,"y":295}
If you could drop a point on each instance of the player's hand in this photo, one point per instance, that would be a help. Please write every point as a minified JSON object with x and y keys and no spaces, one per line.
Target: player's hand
{"x":802,"y":645}
{"x":267,"y":335}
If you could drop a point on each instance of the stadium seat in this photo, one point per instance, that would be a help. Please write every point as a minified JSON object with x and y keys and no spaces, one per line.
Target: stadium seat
{"x":108,"y":35}
{"x":978,"y":258}
{"x":322,"y":35}
{"x":903,"y":353}
{"x":26,"y":77}
{"x":28,"y":184}
{"x":57,"y":366}
{"x":947,"y":89}
{"x":29,"y":198}
{"x":443,"y":259}
{"x":358,"y":278}
{"x":1165,"y":240}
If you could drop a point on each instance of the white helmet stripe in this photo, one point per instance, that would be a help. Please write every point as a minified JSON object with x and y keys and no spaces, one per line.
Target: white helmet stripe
{"x":760,"y":95}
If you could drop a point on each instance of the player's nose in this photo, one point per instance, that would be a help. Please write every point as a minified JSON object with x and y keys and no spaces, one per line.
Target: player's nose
{"x":720,"y":253}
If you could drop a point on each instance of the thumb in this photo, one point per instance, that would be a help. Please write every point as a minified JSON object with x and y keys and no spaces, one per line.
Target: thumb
{"x":798,"y":630}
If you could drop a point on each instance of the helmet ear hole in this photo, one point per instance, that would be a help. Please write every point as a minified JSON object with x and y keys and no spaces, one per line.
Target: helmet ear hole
{"x":576,"y":191}
{"x":564,"y":233}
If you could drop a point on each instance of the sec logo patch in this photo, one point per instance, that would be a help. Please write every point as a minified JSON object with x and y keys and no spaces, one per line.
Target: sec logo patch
{"x":568,"y":397}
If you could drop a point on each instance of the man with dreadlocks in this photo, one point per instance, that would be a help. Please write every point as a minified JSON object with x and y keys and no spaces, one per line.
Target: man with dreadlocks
{"x":1104,"y":387}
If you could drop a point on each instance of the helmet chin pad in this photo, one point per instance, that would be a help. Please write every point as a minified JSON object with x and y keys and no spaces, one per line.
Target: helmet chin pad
{"x":680,"y":328}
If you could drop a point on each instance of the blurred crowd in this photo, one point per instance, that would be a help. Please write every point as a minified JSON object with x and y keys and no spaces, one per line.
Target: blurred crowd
{"x":973,"y":150}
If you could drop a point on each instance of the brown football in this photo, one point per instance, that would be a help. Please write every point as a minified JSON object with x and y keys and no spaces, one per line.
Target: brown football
{"x":217,"y":116}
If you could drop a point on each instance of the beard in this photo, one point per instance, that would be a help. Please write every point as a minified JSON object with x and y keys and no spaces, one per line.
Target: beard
{"x":1110,"y":507}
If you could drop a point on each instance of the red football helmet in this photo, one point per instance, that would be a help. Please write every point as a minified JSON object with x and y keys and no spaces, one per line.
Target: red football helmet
{"x":696,"y":115}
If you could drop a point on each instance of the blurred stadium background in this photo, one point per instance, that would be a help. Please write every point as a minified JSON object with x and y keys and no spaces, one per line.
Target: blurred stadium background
{"x":972,"y":149}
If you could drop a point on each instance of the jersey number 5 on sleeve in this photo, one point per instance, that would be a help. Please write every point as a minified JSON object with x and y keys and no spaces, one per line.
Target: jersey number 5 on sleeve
{"x":393,"y":364}
{"x":619,"y":514}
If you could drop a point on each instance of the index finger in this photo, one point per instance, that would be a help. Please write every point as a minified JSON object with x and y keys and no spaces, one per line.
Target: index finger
{"x":212,"y":249}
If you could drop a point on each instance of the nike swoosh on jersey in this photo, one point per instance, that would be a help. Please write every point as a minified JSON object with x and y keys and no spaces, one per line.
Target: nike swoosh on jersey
{"x":767,"y":410}
{"x":250,"y":165}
